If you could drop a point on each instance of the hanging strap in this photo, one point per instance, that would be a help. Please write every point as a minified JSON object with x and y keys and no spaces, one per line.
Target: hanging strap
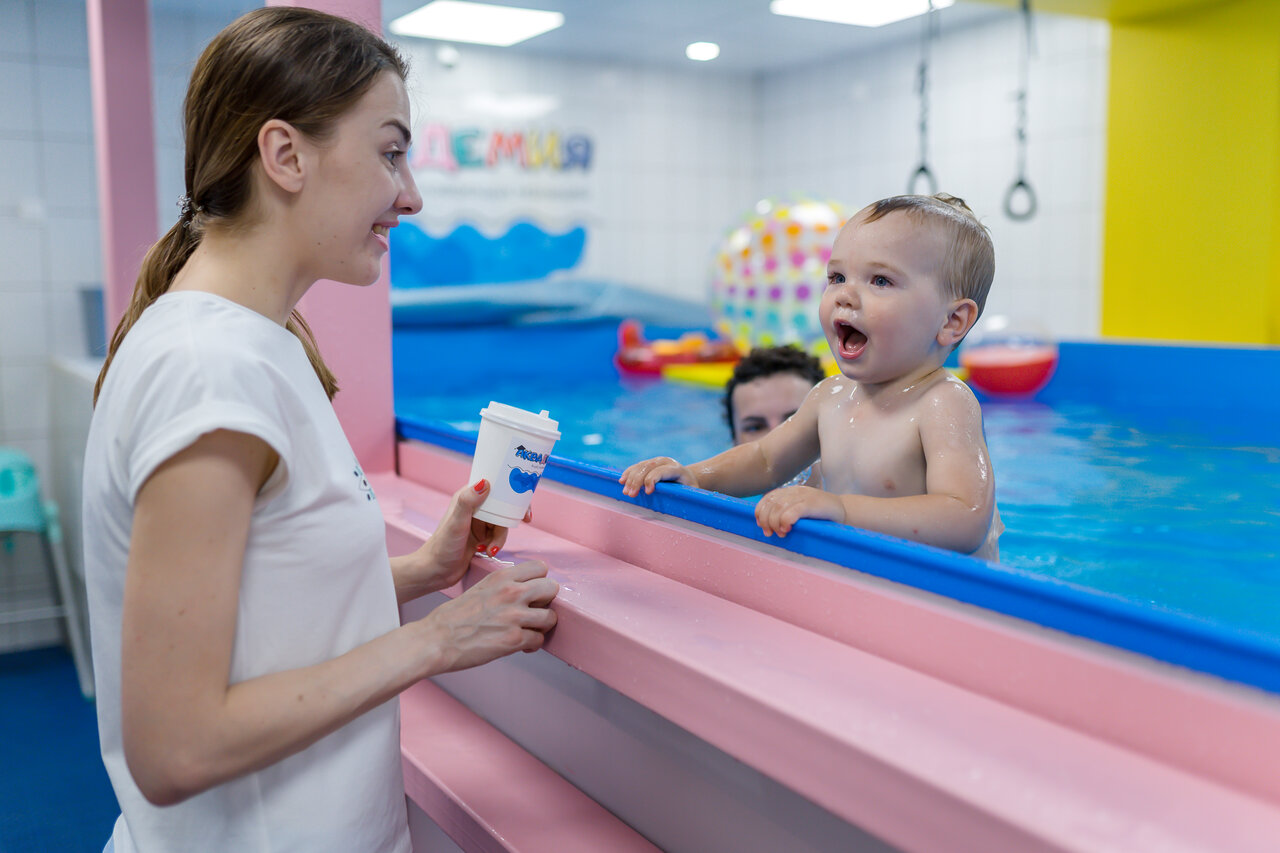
{"x":922,"y":171}
{"x":1020,"y":199}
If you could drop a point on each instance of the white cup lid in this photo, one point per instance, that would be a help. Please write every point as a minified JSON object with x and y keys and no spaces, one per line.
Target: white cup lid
{"x":538,"y":424}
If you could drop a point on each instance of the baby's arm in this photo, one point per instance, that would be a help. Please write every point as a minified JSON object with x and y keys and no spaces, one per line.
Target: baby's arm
{"x":747,"y":469}
{"x":955,"y":511}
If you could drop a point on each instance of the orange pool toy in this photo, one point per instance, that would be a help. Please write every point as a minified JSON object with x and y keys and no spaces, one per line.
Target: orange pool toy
{"x":637,"y":355}
{"x":1010,"y":369}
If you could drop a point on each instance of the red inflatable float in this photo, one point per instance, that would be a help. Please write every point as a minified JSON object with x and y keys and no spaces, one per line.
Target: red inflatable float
{"x":1010,"y":369}
{"x":636,"y":355}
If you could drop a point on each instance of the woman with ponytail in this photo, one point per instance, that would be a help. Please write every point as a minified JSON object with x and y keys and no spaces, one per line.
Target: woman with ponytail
{"x":246,"y":637}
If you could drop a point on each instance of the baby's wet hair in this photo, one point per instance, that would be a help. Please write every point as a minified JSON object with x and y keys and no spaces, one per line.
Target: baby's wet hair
{"x":969,"y":265}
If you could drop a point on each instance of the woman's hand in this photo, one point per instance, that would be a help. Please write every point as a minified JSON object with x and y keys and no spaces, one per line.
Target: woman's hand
{"x":650,"y":472}
{"x":779,"y":510}
{"x":443,"y":559}
{"x":506,"y":612}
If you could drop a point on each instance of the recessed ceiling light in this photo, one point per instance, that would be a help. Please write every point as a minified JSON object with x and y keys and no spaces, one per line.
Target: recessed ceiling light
{"x":702,"y":51}
{"x":475,"y":23}
{"x":859,"y":13}
{"x":447,"y":55}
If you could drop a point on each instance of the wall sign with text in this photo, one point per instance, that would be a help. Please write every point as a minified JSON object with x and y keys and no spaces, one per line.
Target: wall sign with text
{"x":441,"y":148}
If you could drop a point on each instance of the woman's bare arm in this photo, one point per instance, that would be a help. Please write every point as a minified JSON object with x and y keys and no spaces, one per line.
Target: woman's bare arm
{"x":185,"y":727}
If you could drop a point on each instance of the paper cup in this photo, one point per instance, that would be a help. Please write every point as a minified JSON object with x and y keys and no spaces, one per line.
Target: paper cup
{"x":511,"y":452}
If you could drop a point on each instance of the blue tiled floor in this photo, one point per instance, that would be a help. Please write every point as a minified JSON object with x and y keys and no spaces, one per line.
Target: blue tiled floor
{"x":54,"y":791}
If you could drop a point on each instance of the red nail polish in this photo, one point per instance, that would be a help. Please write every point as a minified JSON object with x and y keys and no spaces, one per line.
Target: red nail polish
{"x":493,"y":551}
{"x":480,"y":484}
{"x":480,"y":548}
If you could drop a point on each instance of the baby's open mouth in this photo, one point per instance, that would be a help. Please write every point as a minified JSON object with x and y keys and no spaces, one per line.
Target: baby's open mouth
{"x":852,"y":342}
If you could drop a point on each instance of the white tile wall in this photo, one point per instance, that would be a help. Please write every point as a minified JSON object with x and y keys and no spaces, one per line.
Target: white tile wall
{"x":20,"y":179}
{"x":20,"y":240}
{"x":64,"y":104}
{"x":49,"y":230}
{"x":17,"y":26}
{"x":848,"y":130}
{"x":62,"y":30}
{"x":70,"y":178}
{"x":24,"y":346}
{"x":23,"y":342}
{"x":17,"y":95}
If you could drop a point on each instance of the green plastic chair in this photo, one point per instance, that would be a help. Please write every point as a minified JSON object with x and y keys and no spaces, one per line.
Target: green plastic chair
{"x":23,"y":512}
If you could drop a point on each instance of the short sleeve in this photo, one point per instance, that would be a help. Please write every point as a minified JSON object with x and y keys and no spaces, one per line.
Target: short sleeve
{"x":196,"y":388}
{"x":182,"y":431}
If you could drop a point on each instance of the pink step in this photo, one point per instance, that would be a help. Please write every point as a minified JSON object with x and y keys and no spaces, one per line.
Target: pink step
{"x":488,"y":794}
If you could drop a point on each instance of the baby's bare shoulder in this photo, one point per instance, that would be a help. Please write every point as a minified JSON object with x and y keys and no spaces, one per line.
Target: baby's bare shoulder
{"x":950,"y":399}
{"x":833,"y":383}
{"x":832,"y":388}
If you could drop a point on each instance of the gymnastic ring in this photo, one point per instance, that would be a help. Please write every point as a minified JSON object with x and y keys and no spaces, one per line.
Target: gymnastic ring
{"x":1020,"y":215}
{"x":922,"y":172}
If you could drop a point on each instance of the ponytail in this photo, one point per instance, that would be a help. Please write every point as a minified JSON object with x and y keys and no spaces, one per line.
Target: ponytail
{"x":162,"y":262}
{"x":299,"y":327}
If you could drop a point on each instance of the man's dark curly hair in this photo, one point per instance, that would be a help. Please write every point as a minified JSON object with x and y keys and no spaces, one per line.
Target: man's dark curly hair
{"x":766,"y":361}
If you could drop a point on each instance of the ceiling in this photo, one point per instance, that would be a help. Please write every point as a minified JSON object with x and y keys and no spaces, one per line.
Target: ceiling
{"x":655,"y":32}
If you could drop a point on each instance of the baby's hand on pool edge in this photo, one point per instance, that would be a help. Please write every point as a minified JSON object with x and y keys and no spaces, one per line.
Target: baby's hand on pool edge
{"x":650,"y":472}
{"x":779,"y":510}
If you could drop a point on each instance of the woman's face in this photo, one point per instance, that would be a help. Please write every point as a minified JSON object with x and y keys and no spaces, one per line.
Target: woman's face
{"x":762,"y":404}
{"x":362,"y":185}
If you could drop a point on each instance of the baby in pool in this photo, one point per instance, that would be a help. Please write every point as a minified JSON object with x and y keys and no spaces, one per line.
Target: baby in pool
{"x":900,"y":439}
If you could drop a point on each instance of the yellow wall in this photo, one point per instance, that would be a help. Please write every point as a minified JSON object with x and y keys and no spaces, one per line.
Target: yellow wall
{"x":1112,"y":10}
{"x":1193,"y":186}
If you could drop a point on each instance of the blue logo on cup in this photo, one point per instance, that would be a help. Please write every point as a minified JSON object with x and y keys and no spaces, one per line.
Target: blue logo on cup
{"x":522,"y":482}
{"x":526,"y":481}
{"x":528,"y":455}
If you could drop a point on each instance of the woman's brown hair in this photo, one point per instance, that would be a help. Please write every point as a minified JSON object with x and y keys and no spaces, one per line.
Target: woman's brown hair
{"x":297,"y":65}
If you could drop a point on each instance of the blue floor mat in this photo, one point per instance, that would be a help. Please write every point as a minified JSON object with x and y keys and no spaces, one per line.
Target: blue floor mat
{"x":54,"y":791}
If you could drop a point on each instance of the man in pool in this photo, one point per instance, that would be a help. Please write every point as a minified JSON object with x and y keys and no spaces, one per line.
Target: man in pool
{"x":767,"y":387}
{"x":900,"y":439}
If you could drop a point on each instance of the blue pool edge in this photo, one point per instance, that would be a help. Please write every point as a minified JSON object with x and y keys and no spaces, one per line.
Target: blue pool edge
{"x":1171,"y":637}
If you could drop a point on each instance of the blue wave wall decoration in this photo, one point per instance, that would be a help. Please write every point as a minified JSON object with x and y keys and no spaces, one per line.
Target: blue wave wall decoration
{"x":465,"y":256}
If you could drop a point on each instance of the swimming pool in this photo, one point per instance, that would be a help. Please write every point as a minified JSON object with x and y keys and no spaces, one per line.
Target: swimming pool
{"x":1138,"y":506}
{"x":1142,"y":503}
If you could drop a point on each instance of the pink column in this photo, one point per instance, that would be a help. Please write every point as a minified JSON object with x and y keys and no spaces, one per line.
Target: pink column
{"x":353,"y":324}
{"x":120,"y":71}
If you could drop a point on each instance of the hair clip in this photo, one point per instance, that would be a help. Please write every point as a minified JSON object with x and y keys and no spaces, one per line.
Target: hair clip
{"x":187,"y":210}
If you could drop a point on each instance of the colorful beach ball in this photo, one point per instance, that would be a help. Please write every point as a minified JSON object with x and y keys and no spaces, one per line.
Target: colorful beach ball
{"x":769,"y":272}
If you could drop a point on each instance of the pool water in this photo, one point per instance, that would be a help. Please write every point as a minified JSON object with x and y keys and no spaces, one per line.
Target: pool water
{"x":1175,"y":514}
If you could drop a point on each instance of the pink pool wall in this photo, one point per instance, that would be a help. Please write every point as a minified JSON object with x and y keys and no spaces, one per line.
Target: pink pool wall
{"x":353,"y":324}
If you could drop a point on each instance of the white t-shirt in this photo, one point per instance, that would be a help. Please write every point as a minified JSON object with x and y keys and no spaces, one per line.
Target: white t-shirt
{"x":316,"y":580}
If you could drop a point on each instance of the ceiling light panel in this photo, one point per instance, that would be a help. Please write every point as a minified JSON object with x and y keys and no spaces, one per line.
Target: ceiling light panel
{"x":859,"y":13}
{"x":475,"y":23}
